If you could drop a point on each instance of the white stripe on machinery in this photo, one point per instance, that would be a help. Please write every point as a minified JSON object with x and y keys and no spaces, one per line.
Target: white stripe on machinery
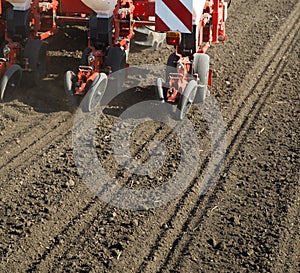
{"x":169,"y":18}
{"x":188,"y":4}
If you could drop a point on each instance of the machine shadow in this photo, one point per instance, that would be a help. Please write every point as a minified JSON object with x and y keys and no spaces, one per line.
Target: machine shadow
{"x":119,"y":103}
{"x":49,"y":95}
{"x":63,"y":53}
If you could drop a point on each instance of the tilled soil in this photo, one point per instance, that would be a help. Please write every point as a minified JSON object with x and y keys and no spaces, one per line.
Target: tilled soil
{"x":238,"y":213}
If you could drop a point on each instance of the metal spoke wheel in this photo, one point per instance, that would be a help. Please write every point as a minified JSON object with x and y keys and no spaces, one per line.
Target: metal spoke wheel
{"x":186,"y":99}
{"x":201,"y":67}
{"x":10,"y":81}
{"x":95,"y":93}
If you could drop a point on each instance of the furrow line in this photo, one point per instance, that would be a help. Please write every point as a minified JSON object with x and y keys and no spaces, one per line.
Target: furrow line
{"x":272,"y":61}
{"x":33,"y":141}
{"x":192,"y":223}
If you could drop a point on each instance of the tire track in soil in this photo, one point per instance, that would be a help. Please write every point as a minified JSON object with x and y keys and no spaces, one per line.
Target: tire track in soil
{"x":10,"y":116}
{"x":41,"y":234}
{"x":84,"y":218}
{"x":289,"y":253}
{"x":85,"y":215}
{"x":59,"y":132}
{"x":32,"y":143}
{"x":180,"y":245}
{"x":33,"y":138}
{"x":17,"y":120}
{"x":84,"y":212}
{"x":32,"y":126}
{"x":21,"y":147}
{"x":167,"y":242}
{"x":94,"y":218}
{"x":258,"y":70}
{"x":26,"y":144}
{"x":32,"y":146}
{"x":87,"y":208}
{"x":273,"y":205}
{"x":89,"y":214}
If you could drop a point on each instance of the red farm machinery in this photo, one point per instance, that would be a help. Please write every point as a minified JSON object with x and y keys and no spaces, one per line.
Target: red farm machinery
{"x":191,"y":26}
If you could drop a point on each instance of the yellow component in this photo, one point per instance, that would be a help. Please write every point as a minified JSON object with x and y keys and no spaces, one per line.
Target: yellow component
{"x":173,"y":37}
{"x":173,"y":34}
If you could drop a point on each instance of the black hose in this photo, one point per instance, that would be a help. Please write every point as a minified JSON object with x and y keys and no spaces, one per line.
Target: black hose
{"x":229,"y":3}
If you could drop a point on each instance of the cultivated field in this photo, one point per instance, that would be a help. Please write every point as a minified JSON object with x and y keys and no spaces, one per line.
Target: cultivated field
{"x":246,"y":220}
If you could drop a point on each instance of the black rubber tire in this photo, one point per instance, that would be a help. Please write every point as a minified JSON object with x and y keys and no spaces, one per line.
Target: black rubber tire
{"x":116,"y":59}
{"x":95,"y":93}
{"x":10,"y":80}
{"x":84,"y":58}
{"x":36,"y":52}
{"x":186,"y":100}
{"x":201,"y":67}
{"x":171,"y":65}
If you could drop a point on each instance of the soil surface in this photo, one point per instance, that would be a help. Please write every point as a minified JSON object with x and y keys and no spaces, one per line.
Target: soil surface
{"x":238,"y":201}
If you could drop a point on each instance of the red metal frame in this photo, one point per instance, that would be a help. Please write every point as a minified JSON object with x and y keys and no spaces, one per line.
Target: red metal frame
{"x":144,"y":9}
{"x":179,"y":80}
{"x":87,"y":74}
{"x":128,"y":14}
{"x":211,"y":30}
{"x":71,"y":7}
{"x":123,"y":16}
{"x":45,"y":16}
